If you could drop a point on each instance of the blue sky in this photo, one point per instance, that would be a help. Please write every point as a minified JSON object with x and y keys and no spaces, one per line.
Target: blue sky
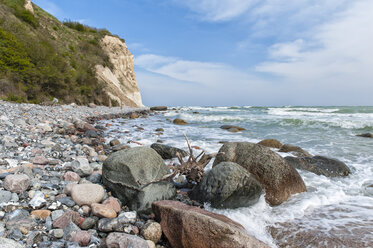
{"x":240,"y":52}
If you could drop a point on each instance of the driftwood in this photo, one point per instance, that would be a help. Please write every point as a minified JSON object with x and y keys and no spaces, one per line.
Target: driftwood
{"x":192,"y":168}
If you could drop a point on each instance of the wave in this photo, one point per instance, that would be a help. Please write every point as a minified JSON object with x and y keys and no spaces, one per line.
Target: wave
{"x":336,"y":123}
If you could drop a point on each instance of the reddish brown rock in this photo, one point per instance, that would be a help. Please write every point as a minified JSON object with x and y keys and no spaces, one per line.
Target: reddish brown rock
{"x":186,"y":226}
{"x":41,"y":214}
{"x":278,"y":178}
{"x":180,"y":122}
{"x":296,"y":150}
{"x":112,"y":203}
{"x":71,"y":176}
{"x":82,"y":238}
{"x":103,"y":211}
{"x":271,"y":143}
{"x":66,"y":218}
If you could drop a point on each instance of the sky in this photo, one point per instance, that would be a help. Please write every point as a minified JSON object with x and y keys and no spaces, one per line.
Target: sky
{"x":240,"y":52}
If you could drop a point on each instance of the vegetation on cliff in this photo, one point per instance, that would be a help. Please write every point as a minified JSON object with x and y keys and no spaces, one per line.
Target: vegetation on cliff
{"x":42,"y":58}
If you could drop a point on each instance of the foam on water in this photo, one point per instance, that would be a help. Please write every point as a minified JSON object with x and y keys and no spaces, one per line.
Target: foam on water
{"x":332,"y":206}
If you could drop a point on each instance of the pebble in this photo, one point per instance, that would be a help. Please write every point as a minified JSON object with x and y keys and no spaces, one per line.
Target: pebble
{"x":86,"y":194}
{"x":37,"y":200}
{"x":89,"y":223}
{"x":103,"y":211}
{"x":81,"y":167}
{"x":71,"y":176}
{"x":152,"y":231}
{"x":41,"y":214}
{"x":82,"y":238}
{"x":16,"y":183}
{"x":112,"y":203}
{"x":56,"y":214}
{"x":5,"y":196}
{"x":66,"y":218}
{"x":58,"y":233}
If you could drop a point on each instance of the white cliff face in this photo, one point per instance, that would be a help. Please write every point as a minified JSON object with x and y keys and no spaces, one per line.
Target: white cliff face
{"x":120,"y":82}
{"x":28,"y":6}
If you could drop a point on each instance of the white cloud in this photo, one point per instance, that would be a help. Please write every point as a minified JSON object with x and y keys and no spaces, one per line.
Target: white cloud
{"x":341,"y":60}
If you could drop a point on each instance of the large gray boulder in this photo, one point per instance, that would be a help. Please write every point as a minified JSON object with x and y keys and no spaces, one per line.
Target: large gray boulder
{"x":168,"y":152}
{"x":320,"y":165}
{"x":129,"y":173}
{"x":228,"y":185}
{"x":278,"y":179}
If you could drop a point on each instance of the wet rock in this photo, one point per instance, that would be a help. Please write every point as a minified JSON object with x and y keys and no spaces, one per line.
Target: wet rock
{"x":16,"y":183}
{"x":159,"y":130}
{"x":365,"y":135}
{"x":86,"y":194}
{"x":228,"y":185}
{"x":5,"y":196}
{"x":278,"y":179}
{"x":81,"y":167}
{"x":66,"y":218}
{"x":120,"y":147}
{"x":296,"y":150}
{"x":152,"y":231}
{"x":114,"y":142}
{"x":103,"y":211}
{"x":320,"y":165}
{"x":187,"y":226}
{"x":158,"y":108}
{"x":71,"y":176}
{"x":123,"y":240}
{"x":82,"y":238}
{"x":232,"y":128}
{"x":168,"y":152}
{"x":129,"y":173}
{"x":41,"y":214}
{"x":179,"y":122}
{"x":273,"y":143}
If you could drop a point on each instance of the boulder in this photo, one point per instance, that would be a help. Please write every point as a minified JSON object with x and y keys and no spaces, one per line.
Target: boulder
{"x":168,"y":152}
{"x":228,"y":185}
{"x":129,"y":175}
{"x":278,"y":179}
{"x":185,"y":226}
{"x":296,"y":150}
{"x":123,"y":240}
{"x":159,"y":108}
{"x":320,"y":165}
{"x":180,"y":122}
{"x":273,"y":143}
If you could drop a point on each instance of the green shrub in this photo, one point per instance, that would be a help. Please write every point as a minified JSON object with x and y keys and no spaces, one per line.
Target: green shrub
{"x":14,"y":98}
{"x":26,"y":16}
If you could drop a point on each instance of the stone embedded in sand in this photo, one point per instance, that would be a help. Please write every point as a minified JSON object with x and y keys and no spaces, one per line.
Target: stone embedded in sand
{"x":16,"y":183}
{"x":273,"y":143}
{"x":187,"y":226}
{"x":278,"y":179}
{"x":86,"y":194}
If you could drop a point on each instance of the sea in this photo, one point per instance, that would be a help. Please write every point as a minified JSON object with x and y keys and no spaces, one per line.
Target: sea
{"x":334,"y":212}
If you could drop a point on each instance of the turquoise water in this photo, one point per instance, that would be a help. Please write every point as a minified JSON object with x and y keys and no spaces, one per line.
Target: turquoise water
{"x":337,"y":210}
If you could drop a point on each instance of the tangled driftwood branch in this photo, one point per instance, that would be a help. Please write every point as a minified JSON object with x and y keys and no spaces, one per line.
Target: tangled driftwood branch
{"x":192,"y":168}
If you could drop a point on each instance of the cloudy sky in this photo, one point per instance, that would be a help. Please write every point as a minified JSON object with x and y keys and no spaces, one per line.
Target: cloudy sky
{"x":240,"y":52}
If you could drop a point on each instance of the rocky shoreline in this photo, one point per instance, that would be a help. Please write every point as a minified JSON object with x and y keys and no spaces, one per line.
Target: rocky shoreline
{"x":64,"y":185}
